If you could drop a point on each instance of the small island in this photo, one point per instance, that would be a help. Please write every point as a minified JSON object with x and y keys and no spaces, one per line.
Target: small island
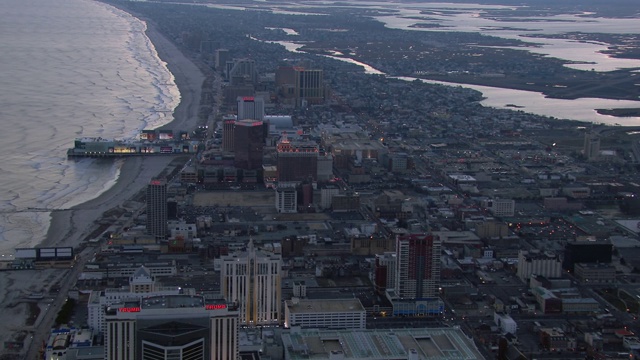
{"x":624,"y":112}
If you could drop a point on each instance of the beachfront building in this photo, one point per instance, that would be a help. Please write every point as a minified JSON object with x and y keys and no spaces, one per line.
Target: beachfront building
{"x":253,"y":280}
{"x":65,"y":342}
{"x":171,"y":327}
{"x":157,"y":208}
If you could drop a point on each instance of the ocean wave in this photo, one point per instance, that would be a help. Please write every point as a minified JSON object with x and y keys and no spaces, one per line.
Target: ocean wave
{"x":102,"y":77}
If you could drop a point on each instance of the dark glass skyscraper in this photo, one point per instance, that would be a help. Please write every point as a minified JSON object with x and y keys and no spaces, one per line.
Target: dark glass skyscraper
{"x":297,"y":161}
{"x":157,"y":208}
{"x":248,"y":144}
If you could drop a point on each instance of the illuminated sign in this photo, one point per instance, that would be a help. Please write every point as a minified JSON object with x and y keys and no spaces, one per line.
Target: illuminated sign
{"x":215,"y":306}
{"x":248,"y":98}
{"x":129,"y":309}
{"x":156,"y":182}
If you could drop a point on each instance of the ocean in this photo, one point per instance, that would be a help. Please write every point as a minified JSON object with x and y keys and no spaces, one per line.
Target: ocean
{"x":80,"y":68}
{"x":69,"y":69}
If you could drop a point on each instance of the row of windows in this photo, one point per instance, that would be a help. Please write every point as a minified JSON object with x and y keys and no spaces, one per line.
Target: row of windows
{"x":324,"y":317}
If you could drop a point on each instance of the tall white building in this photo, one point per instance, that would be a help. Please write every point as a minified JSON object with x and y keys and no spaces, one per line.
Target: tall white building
{"x":286,"y":200}
{"x":544,"y":264}
{"x":384,"y":274}
{"x":171,"y":327}
{"x":253,"y":280}
{"x":250,"y":107}
{"x":591,"y":145}
{"x":326,"y":195}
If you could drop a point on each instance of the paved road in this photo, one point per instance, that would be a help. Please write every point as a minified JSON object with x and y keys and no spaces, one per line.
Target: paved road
{"x":43,"y":328}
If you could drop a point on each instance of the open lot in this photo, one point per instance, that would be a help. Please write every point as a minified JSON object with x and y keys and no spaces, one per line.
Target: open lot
{"x":234,"y":198}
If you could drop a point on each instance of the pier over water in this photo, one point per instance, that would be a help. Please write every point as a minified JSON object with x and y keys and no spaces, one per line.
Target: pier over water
{"x":150,"y":142}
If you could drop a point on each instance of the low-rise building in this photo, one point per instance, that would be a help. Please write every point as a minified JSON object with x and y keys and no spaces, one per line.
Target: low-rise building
{"x":595,"y":273}
{"x":500,"y":207}
{"x":329,"y":314}
{"x":554,"y":339}
{"x":383,"y":344}
{"x":506,"y":323}
{"x":580,"y":306}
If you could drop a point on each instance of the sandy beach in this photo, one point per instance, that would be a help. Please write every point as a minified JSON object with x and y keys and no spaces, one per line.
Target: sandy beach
{"x":71,"y":227}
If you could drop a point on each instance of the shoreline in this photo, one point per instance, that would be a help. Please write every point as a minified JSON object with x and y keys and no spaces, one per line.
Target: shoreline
{"x":71,"y":227}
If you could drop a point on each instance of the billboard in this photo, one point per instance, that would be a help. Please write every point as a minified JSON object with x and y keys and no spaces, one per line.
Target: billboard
{"x":47,"y":253}
{"x":26,"y":253}
{"x":64,"y":252}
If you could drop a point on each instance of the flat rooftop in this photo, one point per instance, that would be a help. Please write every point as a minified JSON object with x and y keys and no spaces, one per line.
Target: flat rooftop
{"x":172,"y":302}
{"x":428,"y":343}
{"x":331,"y":306}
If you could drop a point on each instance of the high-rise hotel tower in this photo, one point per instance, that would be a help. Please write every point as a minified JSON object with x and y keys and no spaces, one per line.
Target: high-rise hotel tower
{"x":297,"y":161}
{"x":171,"y":327}
{"x":252,"y":279}
{"x":157,"y":208}
{"x":418,"y":260}
{"x":248,"y":144}
{"x":250,"y":107}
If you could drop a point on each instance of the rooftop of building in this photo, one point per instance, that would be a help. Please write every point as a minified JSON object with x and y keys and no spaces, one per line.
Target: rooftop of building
{"x":172,"y":302}
{"x":595,"y":266}
{"x":580,"y":301}
{"x":88,"y":352}
{"x":131,"y":260}
{"x":432,"y":343}
{"x":552,"y":331}
{"x":324,"y":306}
{"x":238,"y":255}
{"x":539,"y":255}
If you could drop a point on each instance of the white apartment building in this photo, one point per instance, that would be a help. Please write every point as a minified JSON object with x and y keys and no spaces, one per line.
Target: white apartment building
{"x":250,"y":107}
{"x":179,"y":228}
{"x":286,"y":200}
{"x":325,"y":314}
{"x":386,"y":260}
{"x":506,"y":323}
{"x":326,"y":195}
{"x":253,"y":280}
{"x":545,"y":264}
{"x":500,"y":207}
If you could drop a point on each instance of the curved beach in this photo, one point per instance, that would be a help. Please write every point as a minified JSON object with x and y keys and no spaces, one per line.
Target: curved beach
{"x":70,"y":227}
